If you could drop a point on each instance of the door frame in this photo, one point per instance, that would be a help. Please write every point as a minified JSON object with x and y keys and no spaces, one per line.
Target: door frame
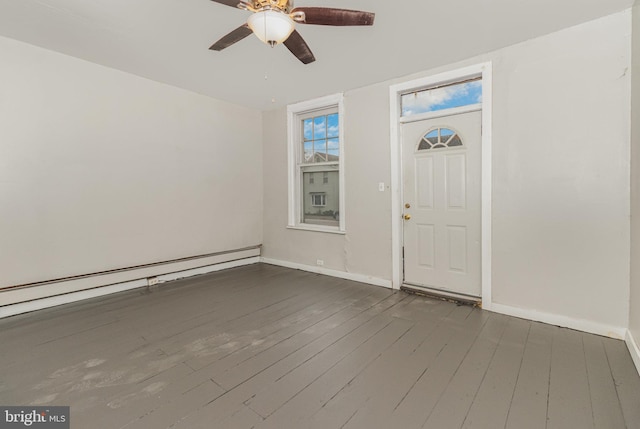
{"x":483,"y":70}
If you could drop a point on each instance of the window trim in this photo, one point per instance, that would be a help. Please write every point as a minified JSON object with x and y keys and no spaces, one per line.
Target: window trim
{"x":294,"y":113}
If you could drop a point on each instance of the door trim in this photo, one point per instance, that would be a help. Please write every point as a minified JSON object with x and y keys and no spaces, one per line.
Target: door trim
{"x":483,"y":70}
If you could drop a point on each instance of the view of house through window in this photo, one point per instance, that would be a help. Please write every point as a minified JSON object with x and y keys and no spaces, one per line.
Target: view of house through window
{"x":316,"y":175}
{"x":319,"y":167}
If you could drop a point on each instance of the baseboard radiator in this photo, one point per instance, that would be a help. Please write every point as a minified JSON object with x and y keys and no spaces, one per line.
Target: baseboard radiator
{"x":23,"y":298}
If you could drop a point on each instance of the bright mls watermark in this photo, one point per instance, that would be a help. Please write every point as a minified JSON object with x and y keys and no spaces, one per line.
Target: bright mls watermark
{"x":34,"y":417}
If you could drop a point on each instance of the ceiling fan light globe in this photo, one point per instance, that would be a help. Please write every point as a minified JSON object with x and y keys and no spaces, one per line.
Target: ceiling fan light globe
{"x":270,"y":26}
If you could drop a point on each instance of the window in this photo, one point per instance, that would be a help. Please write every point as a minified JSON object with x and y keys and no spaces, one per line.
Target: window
{"x":443,"y":97}
{"x":318,"y":200}
{"x":315,"y":150}
{"x":439,"y":138}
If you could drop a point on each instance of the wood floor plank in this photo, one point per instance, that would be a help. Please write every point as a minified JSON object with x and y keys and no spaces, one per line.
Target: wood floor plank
{"x":268,"y":401}
{"x":245,"y":418}
{"x":569,"y":399}
{"x":627,"y":381}
{"x":491,"y":404}
{"x":528,"y":408}
{"x":454,"y":403}
{"x":240,"y":367}
{"x":360,"y":404}
{"x":418,"y":403}
{"x":268,"y":347}
{"x":167,"y":412}
{"x":252,"y":338}
{"x":264,"y":380}
{"x":314,"y":395}
{"x":607,"y":411}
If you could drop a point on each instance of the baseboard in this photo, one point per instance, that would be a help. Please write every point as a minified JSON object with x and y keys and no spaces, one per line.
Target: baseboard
{"x":559,"y":320}
{"x":64,"y":286}
{"x":52,"y":301}
{"x":632,"y":345}
{"x":361,"y":278}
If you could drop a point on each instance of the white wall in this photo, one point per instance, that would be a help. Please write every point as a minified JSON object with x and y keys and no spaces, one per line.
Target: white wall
{"x":102,"y":170}
{"x":560,"y":179}
{"x":366,"y":248}
{"x":634,"y":320}
{"x":561,"y":173}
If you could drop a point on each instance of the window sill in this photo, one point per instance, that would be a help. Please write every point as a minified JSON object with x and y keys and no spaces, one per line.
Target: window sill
{"x":317,"y":229}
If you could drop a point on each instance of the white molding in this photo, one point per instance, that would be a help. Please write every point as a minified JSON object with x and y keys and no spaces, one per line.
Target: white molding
{"x":361,"y":278}
{"x":487,"y":184}
{"x":395,"y":156}
{"x":634,"y":349}
{"x":395,"y":91}
{"x":309,"y":227}
{"x":617,"y":332}
{"x":293,"y":111}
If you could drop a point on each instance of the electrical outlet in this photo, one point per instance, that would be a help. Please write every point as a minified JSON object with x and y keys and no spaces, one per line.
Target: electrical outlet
{"x":319,"y":262}
{"x":151,"y":281}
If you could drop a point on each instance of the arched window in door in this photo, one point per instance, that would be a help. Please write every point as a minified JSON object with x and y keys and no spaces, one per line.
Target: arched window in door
{"x":439,"y":138}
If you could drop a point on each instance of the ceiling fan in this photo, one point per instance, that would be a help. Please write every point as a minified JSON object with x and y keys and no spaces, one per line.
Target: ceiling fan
{"x":273,"y":22}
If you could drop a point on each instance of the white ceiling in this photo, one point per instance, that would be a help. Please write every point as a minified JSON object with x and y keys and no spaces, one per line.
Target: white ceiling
{"x":168,"y":40}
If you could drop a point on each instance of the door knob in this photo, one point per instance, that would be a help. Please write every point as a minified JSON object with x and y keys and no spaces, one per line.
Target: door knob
{"x":407,"y":217}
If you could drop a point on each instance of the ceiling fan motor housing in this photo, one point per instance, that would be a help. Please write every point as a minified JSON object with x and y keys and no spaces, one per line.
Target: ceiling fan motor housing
{"x":281,"y":5}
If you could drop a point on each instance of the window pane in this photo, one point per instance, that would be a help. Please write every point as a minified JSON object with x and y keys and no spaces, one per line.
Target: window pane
{"x":320,"y":127}
{"x":321,"y":199}
{"x":445,"y":134}
{"x":446,"y":97}
{"x":308,"y":129}
{"x":321,"y":151}
{"x":308,"y":151}
{"x":440,"y":138}
{"x":333,"y":126}
{"x":333,"y":149}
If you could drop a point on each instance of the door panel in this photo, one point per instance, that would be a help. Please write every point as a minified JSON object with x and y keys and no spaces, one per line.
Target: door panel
{"x":457,"y":249}
{"x":442,"y":189}
{"x":424,"y":182}
{"x":456,"y":181}
{"x":426,"y":245}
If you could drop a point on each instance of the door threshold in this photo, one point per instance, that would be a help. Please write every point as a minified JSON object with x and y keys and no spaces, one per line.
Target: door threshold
{"x":458,"y":298}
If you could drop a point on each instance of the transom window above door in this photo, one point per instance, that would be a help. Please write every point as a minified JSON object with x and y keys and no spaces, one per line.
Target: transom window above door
{"x":442,"y":97}
{"x":439,"y":138}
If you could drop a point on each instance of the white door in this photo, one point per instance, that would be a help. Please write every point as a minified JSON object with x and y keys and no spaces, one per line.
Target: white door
{"x":442,"y":206}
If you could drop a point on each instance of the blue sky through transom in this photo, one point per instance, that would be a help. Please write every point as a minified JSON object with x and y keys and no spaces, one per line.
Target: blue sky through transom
{"x":447,"y":97}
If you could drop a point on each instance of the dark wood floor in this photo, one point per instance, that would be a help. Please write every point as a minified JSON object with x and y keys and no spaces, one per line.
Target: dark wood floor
{"x":268,"y":347}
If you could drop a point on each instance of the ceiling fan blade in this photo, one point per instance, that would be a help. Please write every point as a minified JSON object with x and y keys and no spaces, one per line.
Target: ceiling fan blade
{"x":232,"y":3}
{"x":331,"y":16}
{"x":298,"y":47}
{"x":235,"y":36}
